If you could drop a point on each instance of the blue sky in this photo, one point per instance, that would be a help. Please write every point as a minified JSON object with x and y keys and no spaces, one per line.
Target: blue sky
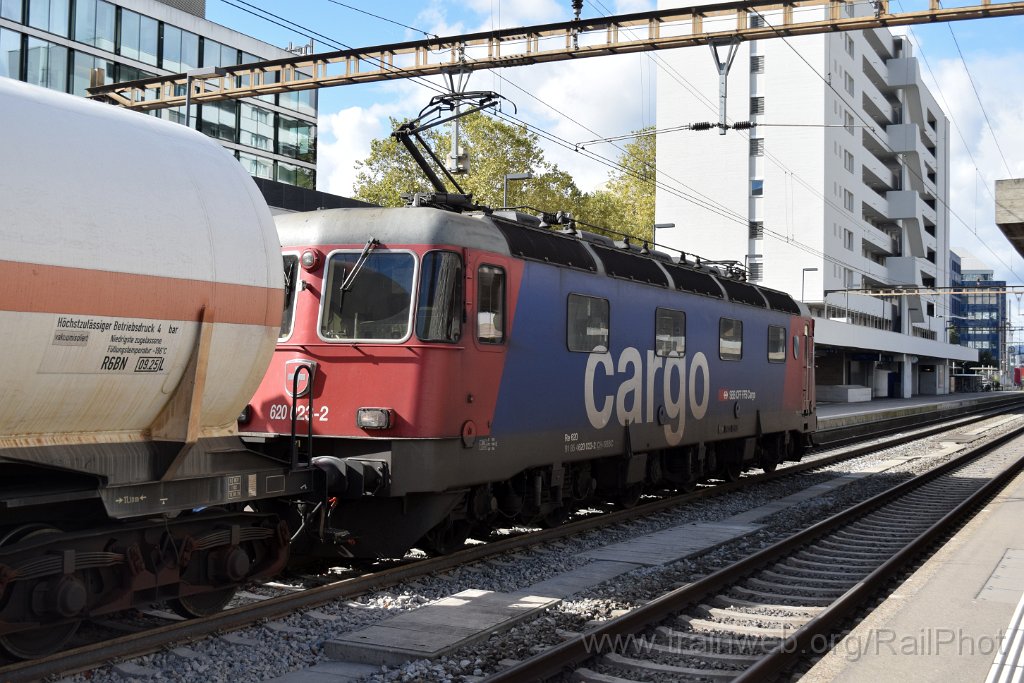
{"x":351,"y":116}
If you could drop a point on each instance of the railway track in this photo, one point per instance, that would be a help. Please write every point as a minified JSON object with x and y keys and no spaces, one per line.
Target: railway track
{"x":758,"y":618}
{"x":112,"y":645}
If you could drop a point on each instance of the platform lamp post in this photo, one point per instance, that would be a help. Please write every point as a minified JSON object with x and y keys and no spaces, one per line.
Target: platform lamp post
{"x":803,"y":279}
{"x":513,"y":176}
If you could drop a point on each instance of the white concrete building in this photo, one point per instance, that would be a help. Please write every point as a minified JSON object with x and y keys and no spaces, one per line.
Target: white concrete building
{"x":840,"y":185}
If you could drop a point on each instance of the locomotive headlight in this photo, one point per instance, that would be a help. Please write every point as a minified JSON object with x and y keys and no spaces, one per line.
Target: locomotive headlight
{"x":373,"y":418}
{"x":245,"y":415}
{"x":310,"y":259}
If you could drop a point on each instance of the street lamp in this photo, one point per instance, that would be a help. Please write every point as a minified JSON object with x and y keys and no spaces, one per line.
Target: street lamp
{"x":513,"y":176}
{"x":803,"y":277}
{"x":189,"y":78}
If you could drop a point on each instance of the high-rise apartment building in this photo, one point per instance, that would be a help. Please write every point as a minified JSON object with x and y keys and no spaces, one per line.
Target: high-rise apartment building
{"x":840,"y":185}
{"x":58,"y":43}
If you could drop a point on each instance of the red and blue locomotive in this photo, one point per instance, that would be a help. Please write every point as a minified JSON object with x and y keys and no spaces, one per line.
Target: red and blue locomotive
{"x":457,"y":369}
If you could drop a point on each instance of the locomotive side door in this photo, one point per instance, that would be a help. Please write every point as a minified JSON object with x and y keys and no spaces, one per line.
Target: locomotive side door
{"x":807,"y":402}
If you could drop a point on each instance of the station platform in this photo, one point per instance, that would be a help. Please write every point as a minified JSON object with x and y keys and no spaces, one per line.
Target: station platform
{"x":844,"y":415}
{"x":957,"y":618}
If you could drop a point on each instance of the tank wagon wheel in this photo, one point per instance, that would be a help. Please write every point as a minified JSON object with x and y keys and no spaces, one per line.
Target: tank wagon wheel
{"x":448,"y":536}
{"x":203,"y":604}
{"x":37,"y":642}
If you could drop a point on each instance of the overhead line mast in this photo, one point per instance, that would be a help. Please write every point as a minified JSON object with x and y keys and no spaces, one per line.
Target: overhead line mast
{"x":619,"y":34}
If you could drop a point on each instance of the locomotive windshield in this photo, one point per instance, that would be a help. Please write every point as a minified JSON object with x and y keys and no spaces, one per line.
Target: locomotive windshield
{"x":377,"y":306}
{"x":291,"y":269}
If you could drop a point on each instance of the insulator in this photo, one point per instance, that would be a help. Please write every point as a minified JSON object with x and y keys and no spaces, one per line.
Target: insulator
{"x":702,"y":125}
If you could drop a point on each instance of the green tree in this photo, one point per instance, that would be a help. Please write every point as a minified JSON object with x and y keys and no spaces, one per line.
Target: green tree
{"x":626,"y":203}
{"x":495,"y":149}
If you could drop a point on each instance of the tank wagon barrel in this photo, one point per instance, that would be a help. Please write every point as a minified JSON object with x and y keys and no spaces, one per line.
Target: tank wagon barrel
{"x":140,"y":302}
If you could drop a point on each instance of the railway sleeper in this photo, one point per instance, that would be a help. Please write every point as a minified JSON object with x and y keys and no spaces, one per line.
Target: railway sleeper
{"x":718,"y":644}
{"x":645,"y":667}
{"x":737,"y":616}
{"x":780,"y":598}
{"x":775,"y":634}
{"x":732,"y":602}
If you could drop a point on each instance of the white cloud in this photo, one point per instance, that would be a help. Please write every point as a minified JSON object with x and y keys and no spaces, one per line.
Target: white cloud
{"x":344,"y":138}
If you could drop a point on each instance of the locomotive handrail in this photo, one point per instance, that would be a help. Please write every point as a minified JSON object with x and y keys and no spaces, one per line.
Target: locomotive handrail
{"x":299,"y":369}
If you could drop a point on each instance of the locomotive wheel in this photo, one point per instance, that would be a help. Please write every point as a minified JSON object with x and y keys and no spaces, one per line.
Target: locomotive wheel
{"x":769,"y":467}
{"x":43,"y":641}
{"x":202,"y":604}
{"x":732,"y":472}
{"x":448,"y":536}
{"x":629,"y":496}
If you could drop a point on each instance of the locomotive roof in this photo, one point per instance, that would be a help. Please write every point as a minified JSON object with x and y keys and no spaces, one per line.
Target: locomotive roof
{"x":503,"y":234}
{"x":406,"y":225}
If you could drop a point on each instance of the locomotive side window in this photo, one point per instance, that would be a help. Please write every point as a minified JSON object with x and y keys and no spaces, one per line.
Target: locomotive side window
{"x":439,"y":310}
{"x":730,"y":339}
{"x":776,"y":344}
{"x":587,"y":324}
{"x":490,"y":296}
{"x":669,"y":332}
{"x":377,"y":302}
{"x":291,"y":276}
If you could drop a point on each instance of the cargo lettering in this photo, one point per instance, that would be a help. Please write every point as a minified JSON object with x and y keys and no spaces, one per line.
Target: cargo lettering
{"x":114,"y":363}
{"x":636,"y":398}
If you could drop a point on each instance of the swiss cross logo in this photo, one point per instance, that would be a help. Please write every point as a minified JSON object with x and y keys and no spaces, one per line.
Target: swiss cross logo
{"x":723,"y":394}
{"x":302,"y":370}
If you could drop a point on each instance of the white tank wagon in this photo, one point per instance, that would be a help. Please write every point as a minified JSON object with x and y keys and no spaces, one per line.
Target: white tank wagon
{"x":141,"y":292}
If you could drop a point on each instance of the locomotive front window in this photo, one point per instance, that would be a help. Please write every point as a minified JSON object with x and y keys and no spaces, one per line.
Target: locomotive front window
{"x":378,"y":302}
{"x":587,"y":324}
{"x":730,"y":339}
{"x":439,"y":310}
{"x":291,"y":276}
{"x":669,"y":332}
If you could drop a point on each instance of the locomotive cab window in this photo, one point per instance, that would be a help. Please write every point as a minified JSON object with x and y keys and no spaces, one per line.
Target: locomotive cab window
{"x":669,"y":332}
{"x":291,"y":277}
{"x":368,"y":301}
{"x":490,"y":296}
{"x":439,"y":309}
{"x":587,"y":324}
{"x":730,"y":339}
{"x":776,"y":344}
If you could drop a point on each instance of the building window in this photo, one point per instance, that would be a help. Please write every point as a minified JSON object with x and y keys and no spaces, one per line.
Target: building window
{"x":756,"y":105}
{"x":490,"y":315}
{"x":848,"y":82}
{"x":848,"y":200}
{"x":587,"y":324}
{"x":47,"y":65}
{"x":847,"y":278}
{"x":11,"y":9}
{"x":256,"y":127}
{"x":756,"y":188}
{"x":257,"y":167}
{"x":49,"y":15}
{"x":81,"y":73}
{"x":848,"y":239}
{"x":755,"y":270}
{"x":755,"y":20}
{"x":96,"y":24}
{"x":730,"y":339}
{"x":848,"y":160}
{"x":757,"y":64}
{"x":776,"y":344}
{"x":293,"y":174}
{"x":219,"y":120}
{"x":848,"y":121}
{"x":139,"y":37}
{"x":181,"y":50}
{"x":756,"y":147}
{"x":849,"y":43}
{"x":294,"y":138}
{"x":669,"y":332}
{"x":215,"y":54}
{"x":10,"y":54}
{"x":756,"y":230}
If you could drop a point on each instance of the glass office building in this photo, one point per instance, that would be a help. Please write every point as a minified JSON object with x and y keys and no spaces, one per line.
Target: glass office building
{"x":57,"y":44}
